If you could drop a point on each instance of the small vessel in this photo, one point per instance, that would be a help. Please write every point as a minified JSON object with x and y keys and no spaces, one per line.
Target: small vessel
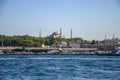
{"x":53,"y":52}
{"x":118,"y":52}
{"x":58,"y":51}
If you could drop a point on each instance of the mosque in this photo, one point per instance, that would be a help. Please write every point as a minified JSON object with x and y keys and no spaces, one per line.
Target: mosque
{"x":57,"y":34}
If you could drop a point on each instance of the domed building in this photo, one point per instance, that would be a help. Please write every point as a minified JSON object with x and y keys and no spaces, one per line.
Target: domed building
{"x":57,"y":35}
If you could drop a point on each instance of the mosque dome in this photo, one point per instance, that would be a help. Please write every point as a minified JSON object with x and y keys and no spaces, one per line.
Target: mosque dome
{"x":56,"y":33}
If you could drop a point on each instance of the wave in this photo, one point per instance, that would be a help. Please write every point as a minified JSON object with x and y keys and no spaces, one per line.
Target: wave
{"x":48,"y":58}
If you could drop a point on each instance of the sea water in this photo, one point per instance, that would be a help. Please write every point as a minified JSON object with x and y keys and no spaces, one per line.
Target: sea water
{"x":59,"y":67}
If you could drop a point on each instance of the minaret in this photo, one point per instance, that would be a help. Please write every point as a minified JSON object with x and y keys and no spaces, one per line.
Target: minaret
{"x":71,"y":33}
{"x":60,"y":32}
{"x":105,"y":39}
{"x":113,"y":37}
{"x":40,"y":33}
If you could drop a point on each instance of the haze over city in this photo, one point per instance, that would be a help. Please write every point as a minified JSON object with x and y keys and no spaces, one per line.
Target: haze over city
{"x":88,"y":19}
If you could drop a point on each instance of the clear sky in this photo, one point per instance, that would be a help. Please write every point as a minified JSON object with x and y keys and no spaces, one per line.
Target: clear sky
{"x":89,"y":19}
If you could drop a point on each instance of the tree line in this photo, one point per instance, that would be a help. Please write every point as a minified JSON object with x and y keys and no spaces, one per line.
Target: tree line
{"x":30,"y":41}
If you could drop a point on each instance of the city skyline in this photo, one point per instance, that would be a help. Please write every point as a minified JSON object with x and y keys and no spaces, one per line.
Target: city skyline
{"x":88,"y":19}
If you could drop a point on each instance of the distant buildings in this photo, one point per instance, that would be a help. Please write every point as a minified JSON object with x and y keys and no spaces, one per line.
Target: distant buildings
{"x":106,"y":44}
{"x":74,"y":44}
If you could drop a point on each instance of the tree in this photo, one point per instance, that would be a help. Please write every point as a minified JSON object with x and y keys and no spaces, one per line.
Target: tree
{"x":93,"y":42}
{"x":29,"y":41}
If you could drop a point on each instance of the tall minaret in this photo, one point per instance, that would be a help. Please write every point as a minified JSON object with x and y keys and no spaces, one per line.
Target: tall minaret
{"x":113,"y":37}
{"x":105,"y":39}
{"x":40,"y":33}
{"x":60,"y":32}
{"x":71,"y":34}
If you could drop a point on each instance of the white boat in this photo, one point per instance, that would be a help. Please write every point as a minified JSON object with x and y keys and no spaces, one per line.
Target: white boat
{"x":118,"y":52}
{"x":53,"y":52}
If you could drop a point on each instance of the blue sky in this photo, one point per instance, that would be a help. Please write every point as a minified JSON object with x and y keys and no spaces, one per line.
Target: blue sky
{"x":89,"y":19}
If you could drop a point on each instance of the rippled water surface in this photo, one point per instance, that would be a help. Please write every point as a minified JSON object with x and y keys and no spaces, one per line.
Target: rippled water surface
{"x":59,"y":67}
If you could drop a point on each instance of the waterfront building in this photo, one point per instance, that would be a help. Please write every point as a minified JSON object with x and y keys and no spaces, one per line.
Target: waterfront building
{"x":63,"y":44}
{"x":109,"y":44}
{"x":113,"y":41}
{"x":74,"y":44}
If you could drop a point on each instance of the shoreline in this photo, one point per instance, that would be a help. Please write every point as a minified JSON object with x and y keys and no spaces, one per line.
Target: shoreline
{"x":55,"y":51}
{"x":65,"y":54}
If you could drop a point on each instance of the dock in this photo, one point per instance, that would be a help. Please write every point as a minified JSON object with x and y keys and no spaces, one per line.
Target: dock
{"x":48,"y":48}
